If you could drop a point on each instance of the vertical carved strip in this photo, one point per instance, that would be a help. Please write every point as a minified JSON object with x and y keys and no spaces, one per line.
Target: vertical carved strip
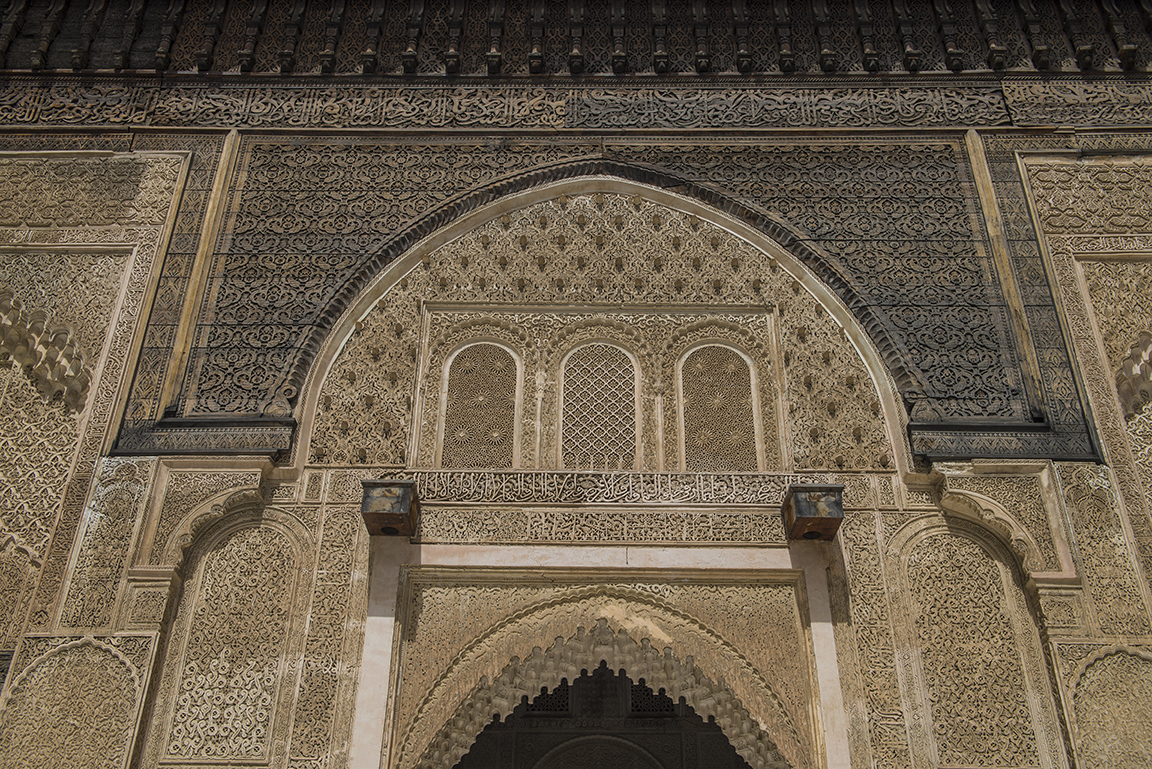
{"x":828,"y":56}
{"x":113,"y":508}
{"x":410,"y":55}
{"x":872,"y":619}
{"x":93,"y":18}
{"x":1124,"y":45}
{"x":700,"y":27}
{"x":742,"y":29}
{"x":455,"y":20}
{"x":11,"y":25}
{"x":132,"y":24}
{"x":494,"y":58}
{"x":619,"y":30}
{"x":48,"y":31}
{"x":212,"y":24}
{"x":867,"y":28}
{"x":913,"y":58}
{"x":536,"y":38}
{"x":576,"y":36}
{"x":966,"y":633}
{"x":1074,"y":26}
{"x":370,"y":56}
{"x":332,"y":32}
{"x":953,"y":54}
{"x":168,"y":33}
{"x":247,"y":54}
{"x":1041,"y":53}
{"x":660,"y":61}
{"x":239,"y":611}
{"x":784,"y":35}
{"x":325,"y":669}
{"x":997,"y":57}
{"x":286,"y":58}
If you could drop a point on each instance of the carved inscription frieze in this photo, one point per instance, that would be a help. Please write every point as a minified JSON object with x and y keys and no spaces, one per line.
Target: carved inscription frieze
{"x":470,"y":106}
{"x":550,"y":488}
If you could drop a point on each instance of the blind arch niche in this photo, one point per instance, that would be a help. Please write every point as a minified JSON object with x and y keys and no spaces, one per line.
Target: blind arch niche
{"x":480,"y":401}
{"x":599,"y":408}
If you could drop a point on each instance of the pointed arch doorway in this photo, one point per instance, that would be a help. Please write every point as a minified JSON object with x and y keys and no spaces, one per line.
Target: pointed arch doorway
{"x":606,"y":719}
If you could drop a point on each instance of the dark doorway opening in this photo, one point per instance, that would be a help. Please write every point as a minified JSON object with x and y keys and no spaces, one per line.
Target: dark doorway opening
{"x":602,"y":720}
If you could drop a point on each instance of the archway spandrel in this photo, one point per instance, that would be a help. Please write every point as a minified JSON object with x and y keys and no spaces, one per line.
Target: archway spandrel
{"x":702,"y":641}
{"x":628,"y":265}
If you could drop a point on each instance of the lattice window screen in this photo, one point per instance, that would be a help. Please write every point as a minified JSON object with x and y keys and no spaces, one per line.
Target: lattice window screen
{"x":719,"y":426}
{"x":480,"y":414}
{"x":599,"y":424}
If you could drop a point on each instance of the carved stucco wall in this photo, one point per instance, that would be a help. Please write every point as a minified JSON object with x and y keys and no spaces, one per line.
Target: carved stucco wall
{"x":783,"y":188}
{"x":258,"y":557}
{"x":78,"y":238}
{"x":528,"y":277}
{"x":1094,"y":214}
{"x":912,"y":654}
{"x":45,"y":723}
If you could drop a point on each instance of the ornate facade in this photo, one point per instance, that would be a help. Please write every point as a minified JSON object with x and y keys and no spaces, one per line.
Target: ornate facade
{"x":603,"y":282}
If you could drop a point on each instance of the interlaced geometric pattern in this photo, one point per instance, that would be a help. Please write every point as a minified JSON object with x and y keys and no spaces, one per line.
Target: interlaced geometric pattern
{"x":599,"y":426}
{"x":481,"y":409}
{"x":719,"y":431}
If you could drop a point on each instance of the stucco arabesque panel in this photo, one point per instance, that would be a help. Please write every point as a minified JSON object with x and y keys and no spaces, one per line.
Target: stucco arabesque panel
{"x":112,"y":212}
{"x":1094,"y":215}
{"x":601,"y":249}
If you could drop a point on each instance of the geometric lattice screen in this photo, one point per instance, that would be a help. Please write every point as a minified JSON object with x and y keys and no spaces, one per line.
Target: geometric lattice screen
{"x":599,"y":426}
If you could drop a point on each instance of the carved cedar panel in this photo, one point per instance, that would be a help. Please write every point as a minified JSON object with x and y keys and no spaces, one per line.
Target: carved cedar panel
{"x":896,"y":223}
{"x":1113,"y":708}
{"x":74,"y":708}
{"x":269,"y":300}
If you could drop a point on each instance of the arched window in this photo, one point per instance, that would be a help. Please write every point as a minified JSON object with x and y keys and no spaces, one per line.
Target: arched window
{"x":480,"y":409}
{"x":598,"y":428}
{"x":717,"y":411}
